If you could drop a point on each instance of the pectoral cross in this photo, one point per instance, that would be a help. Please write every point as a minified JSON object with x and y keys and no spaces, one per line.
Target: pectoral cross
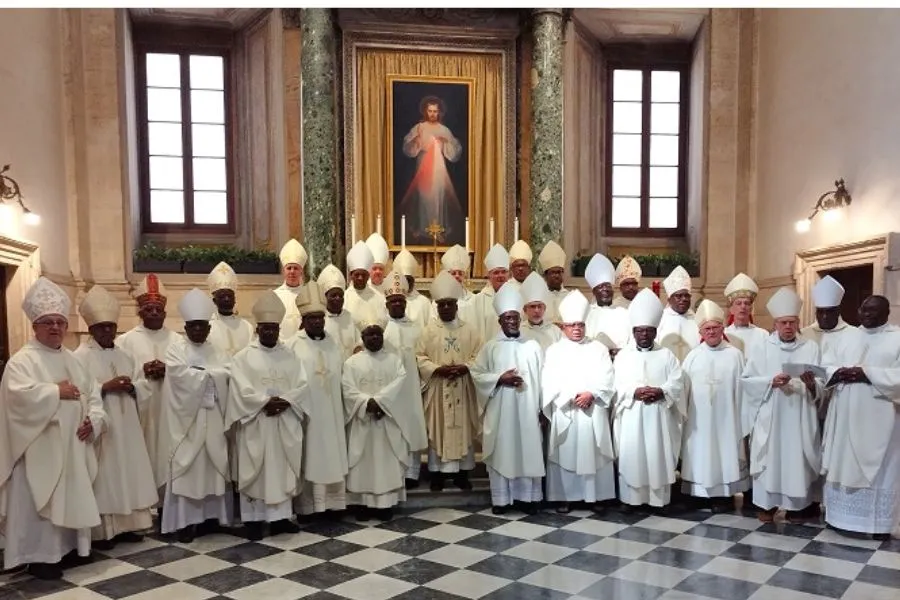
{"x":321,"y":371}
{"x":712,"y":382}
{"x":436,"y":232}
{"x":275,"y":381}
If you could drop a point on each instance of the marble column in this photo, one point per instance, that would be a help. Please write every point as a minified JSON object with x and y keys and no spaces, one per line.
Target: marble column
{"x":319,"y":138}
{"x":548,"y":31}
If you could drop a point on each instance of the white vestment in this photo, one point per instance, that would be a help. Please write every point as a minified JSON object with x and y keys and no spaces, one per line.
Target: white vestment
{"x":343,"y":331}
{"x":125,"y":488}
{"x":145,"y":345}
{"x":290,"y":324}
{"x":418,"y":308}
{"x":608,"y":325}
{"x":480,"y":312}
{"x":377,"y":449}
{"x":621,"y":301}
{"x":551,"y":315}
{"x":861,"y":440}
{"x":402,"y":335}
{"x":546,"y":334}
{"x":832,"y":343}
{"x":47,"y":501}
{"x":230,"y":333}
{"x":192,"y":436}
{"x":713,"y":460}
{"x":356,"y":302}
{"x":678,"y":333}
{"x":785,"y":448}
{"x":648,"y":436}
{"x":746,"y":339}
{"x":579,"y":447}
{"x":325,"y":443}
{"x":269,"y":449}
{"x":511,"y":443}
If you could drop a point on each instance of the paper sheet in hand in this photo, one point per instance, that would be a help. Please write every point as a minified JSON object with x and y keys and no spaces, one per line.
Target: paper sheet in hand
{"x":798,"y":369}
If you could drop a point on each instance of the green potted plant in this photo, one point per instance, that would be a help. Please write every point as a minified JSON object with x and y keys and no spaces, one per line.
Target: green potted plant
{"x":650,"y":264}
{"x":151,"y":258}
{"x":261,"y":261}
{"x":580,"y":263}
{"x":201,"y":260}
{"x":690,"y":262}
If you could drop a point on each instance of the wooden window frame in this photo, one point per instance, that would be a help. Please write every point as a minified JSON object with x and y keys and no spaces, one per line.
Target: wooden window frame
{"x":647,"y":58}
{"x":168,"y":39}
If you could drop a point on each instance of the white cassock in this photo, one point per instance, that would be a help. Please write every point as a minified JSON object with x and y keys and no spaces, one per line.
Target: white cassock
{"x":678,"y":333}
{"x":418,"y":308}
{"x":832,"y":344}
{"x":746,"y":339}
{"x":325,"y":452}
{"x":359,"y":303}
{"x":192,"y":436}
{"x":580,"y":451}
{"x":145,"y":345}
{"x":648,"y":436}
{"x":230,"y":333}
{"x":269,"y":450}
{"x":290,"y":325}
{"x":511,"y":445}
{"x":713,"y":460}
{"x":343,"y":330}
{"x":785,"y":448}
{"x":480,"y":312}
{"x":47,"y":502}
{"x":546,"y":334}
{"x":402,"y":335}
{"x":551,"y":315}
{"x":124,"y":487}
{"x":377,"y":450}
{"x":609,"y":325}
{"x":861,"y":440}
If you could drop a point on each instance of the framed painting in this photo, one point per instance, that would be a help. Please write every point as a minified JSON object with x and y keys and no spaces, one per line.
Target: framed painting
{"x":429,"y":160}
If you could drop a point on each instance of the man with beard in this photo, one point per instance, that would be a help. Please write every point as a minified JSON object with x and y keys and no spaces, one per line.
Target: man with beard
{"x":418,"y":307}
{"x":605,"y":323}
{"x":552,"y":262}
{"x":228,"y":332}
{"x":536,"y":296}
{"x":677,"y":330}
{"x":293,"y":258}
{"x":740,"y":294}
{"x":338,"y":322}
{"x":628,"y":280}
{"x":267,"y":405}
{"x":124,"y":486}
{"x":482,"y":312}
{"x":520,"y":256}
{"x":507,"y":375}
{"x":361,"y":298}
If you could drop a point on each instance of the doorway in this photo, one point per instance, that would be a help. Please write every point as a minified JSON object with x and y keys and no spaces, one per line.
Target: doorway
{"x":4,"y":327}
{"x":858,"y":285}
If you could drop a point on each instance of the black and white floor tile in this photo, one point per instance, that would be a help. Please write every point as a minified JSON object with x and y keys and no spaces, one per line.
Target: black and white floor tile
{"x":453,"y":554}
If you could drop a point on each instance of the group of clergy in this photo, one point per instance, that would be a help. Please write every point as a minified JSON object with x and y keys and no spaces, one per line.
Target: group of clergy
{"x":333,"y":394}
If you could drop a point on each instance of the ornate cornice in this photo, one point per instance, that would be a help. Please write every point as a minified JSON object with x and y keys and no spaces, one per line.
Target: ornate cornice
{"x":227,"y":18}
{"x":501,"y":22}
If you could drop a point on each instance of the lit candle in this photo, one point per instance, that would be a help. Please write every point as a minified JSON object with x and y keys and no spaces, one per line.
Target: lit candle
{"x":402,"y":232}
{"x":516,"y":230}
{"x":352,"y":229}
{"x":378,"y":224}
{"x":467,"y":235}
{"x":492,"y":232}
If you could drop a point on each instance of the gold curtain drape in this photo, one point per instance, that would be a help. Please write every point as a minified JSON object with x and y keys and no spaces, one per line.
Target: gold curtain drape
{"x":486,"y":136}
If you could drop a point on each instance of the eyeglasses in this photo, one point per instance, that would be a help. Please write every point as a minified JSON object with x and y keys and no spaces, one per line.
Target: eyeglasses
{"x":60,"y":323}
{"x":574,"y":325}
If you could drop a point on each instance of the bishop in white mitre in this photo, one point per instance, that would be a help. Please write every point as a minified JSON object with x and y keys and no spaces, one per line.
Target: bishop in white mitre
{"x":536,"y":297}
{"x":401,"y":334}
{"x":361,"y":298}
{"x":606,"y":323}
{"x":520,"y":257}
{"x":552,"y":263}
{"x":740,"y":294}
{"x":293,"y":259}
{"x":325,"y":441}
{"x":577,"y":391}
{"x":481,"y":308}
{"x":861,"y":439}
{"x":507,"y":375}
{"x":445,"y":354}
{"x":51,"y":414}
{"x":456,"y":262}
{"x":376,"y":416}
{"x":338,"y":321}
{"x":677,"y":330}
{"x":147,"y":344}
{"x":780,"y":413}
{"x":650,"y":409}
{"x":192,"y":426}
{"x":381,"y":258}
{"x":714,"y":464}
{"x":268,"y":403}
{"x":124,"y":487}
{"x":228,"y":332}
{"x":628,"y":281}
{"x":418,"y":307}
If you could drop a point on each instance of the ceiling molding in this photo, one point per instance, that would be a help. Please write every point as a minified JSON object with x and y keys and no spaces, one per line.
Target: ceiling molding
{"x":226,"y":18}
{"x":615,"y":25}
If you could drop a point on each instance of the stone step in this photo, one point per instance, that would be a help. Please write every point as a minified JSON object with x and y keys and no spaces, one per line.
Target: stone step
{"x":423,"y":497}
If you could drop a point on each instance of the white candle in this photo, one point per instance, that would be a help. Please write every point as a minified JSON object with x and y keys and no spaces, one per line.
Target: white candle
{"x":402,"y":232}
{"x":468,"y":245}
{"x":516,"y":230}
{"x":492,"y":232}
{"x":352,"y":229}
{"x":378,"y":224}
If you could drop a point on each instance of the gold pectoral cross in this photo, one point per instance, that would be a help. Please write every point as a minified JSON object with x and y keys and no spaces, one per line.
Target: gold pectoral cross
{"x":321,"y":371}
{"x":435,"y":230}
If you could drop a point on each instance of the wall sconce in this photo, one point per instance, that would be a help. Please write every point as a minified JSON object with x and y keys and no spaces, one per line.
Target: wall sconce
{"x":829,"y":204}
{"x":9,"y":192}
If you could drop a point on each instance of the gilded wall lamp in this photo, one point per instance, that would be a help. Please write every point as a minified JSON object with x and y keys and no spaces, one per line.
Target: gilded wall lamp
{"x":829,"y":204}
{"x":10,"y":193}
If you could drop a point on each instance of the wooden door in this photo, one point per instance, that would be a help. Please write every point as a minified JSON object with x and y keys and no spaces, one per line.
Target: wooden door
{"x":857,"y":282}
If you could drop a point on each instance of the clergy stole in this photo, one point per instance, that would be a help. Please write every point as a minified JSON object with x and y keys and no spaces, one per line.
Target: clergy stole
{"x":402,"y":335}
{"x":269,"y":449}
{"x":192,"y":427}
{"x":648,"y":436}
{"x":451,"y":408}
{"x":40,"y":428}
{"x":512,"y":443}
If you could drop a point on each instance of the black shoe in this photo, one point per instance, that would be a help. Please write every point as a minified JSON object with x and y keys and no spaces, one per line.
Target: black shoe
{"x":564,"y":508}
{"x":597,"y":508}
{"x":103,"y":545}
{"x":284,"y":526}
{"x":499,"y":510}
{"x":437,"y":482}
{"x":462,"y":481}
{"x":45,"y":571}
{"x":304,"y":519}
{"x":529,"y":508}
{"x":384,"y":514}
{"x":721,"y":505}
{"x":208,"y":527}
{"x":72,"y":560}
{"x":187,"y":534}
{"x":412,"y":484}
{"x":363,"y":513}
{"x":254,"y":531}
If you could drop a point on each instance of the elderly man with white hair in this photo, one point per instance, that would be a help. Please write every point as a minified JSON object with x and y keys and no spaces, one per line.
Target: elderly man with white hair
{"x":381,"y":257}
{"x":418,"y":307}
{"x":740,"y":294}
{"x":481,"y":308}
{"x":677,"y":330}
{"x":536,"y":327}
{"x":293,"y":258}
{"x":606,"y":323}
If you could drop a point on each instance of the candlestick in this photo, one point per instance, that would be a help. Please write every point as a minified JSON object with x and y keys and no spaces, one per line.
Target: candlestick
{"x":352,"y":229}
{"x":378,"y":224}
{"x":467,"y":235}
{"x":492,"y":232}
{"x":516,"y":230}
{"x":402,"y":232}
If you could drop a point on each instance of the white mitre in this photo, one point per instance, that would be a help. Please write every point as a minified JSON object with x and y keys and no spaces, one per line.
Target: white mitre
{"x":293,"y":253}
{"x":330,"y":278}
{"x":360,"y":257}
{"x":99,"y":306}
{"x":456,"y":259}
{"x":574,"y":308}
{"x":406,"y":264}
{"x":496,"y":258}
{"x":827,"y":293}
{"x":534,"y":289}
{"x":707,"y":311}
{"x":677,"y":281}
{"x":196,"y":306}
{"x":381,"y":255}
{"x":446,"y":286}
{"x":628,"y":268}
{"x":645,"y":310}
{"x":508,"y":299}
{"x":520,"y":251}
{"x":552,"y":256}
{"x":599,"y":270}
{"x":269,"y":308}
{"x":394,"y":285}
{"x":367,"y":317}
{"x":45,"y":298}
{"x":741,"y":286}
{"x":785,"y":303}
{"x":222,"y":277}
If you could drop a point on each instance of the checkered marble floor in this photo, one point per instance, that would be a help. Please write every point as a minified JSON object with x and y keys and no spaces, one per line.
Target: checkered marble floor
{"x":448,"y":554}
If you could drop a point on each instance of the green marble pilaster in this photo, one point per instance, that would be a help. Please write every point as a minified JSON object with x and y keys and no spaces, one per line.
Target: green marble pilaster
{"x":548,"y":31}
{"x":319,"y":138}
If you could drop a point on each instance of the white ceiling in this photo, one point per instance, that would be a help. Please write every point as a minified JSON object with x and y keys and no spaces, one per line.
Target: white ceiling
{"x":641,"y":24}
{"x":231,"y":18}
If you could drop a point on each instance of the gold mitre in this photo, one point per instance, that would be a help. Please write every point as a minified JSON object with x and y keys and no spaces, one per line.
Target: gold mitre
{"x":310,"y":299}
{"x":99,"y":306}
{"x":741,"y":287}
{"x":707,"y":311}
{"x":628,"y":268}
{"x":552,"y":256}
{"x":394,"y":285}
{"x":269,"y":308}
